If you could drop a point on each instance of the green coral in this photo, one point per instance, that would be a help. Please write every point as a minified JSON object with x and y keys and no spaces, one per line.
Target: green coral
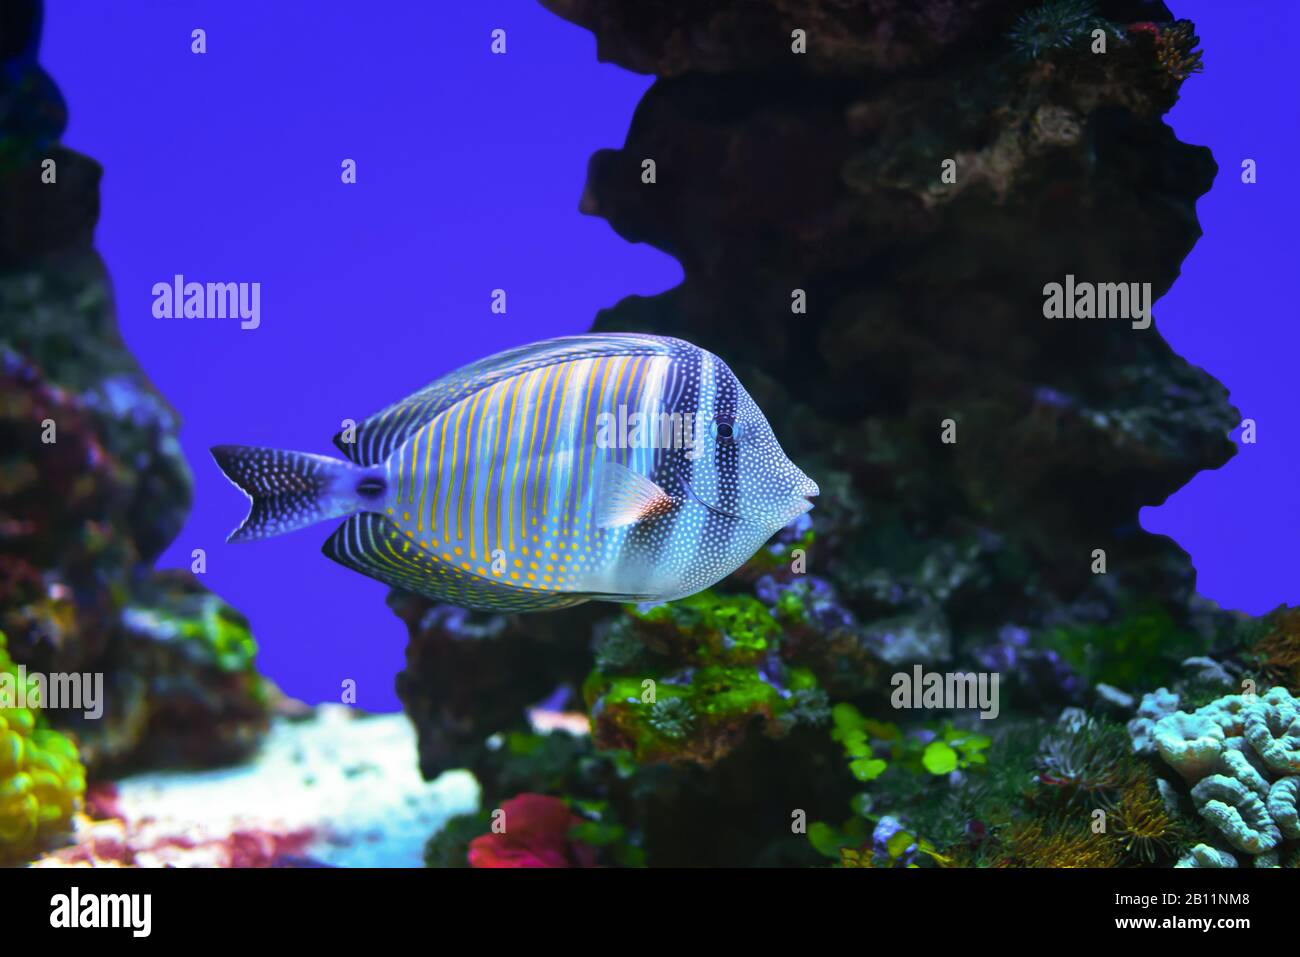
{"x":712,"y":629}
{"x":694,"y":716}
{"x":682,"y":681}
{"x":42,"y":781}
{"x":215,"y":630}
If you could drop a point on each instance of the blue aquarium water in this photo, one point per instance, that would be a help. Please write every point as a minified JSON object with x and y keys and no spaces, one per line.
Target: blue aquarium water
{"x":469,"y":174}
{"x":969,"y":544}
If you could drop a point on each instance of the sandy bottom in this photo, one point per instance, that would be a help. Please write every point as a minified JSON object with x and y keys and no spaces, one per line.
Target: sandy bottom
{"x":334,"y":788}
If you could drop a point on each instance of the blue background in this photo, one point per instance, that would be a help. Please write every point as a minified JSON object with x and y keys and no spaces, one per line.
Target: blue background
{"x":226,"y":167}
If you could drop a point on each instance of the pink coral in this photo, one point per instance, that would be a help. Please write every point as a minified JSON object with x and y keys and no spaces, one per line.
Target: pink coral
{"x":535,"y":834}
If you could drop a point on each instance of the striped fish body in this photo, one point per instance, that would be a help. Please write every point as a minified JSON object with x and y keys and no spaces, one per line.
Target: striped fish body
{"x":502,"y":484}
{"x":615,"y":467}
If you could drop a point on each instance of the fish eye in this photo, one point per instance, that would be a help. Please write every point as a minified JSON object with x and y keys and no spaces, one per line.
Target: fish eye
{"x":725,"y":429}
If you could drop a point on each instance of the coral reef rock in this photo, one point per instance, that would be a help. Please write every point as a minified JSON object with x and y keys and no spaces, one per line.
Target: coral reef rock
{"x":93,"y":485}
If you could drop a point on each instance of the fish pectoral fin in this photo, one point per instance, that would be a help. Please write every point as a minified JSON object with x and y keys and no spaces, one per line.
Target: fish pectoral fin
{"x":373,"y":545}
{"x":624,"y":497}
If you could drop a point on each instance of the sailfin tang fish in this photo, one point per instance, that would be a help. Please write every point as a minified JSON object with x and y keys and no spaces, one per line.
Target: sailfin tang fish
{"x":617,"y":467}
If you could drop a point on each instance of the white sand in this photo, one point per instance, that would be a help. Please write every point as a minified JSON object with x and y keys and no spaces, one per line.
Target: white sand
{"x":353,"y":779}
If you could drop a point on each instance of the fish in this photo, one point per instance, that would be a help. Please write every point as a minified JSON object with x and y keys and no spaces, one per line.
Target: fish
{"x":620,"y":467}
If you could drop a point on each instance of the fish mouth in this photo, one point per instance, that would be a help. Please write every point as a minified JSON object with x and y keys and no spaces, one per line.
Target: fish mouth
{"x":808,"y":491}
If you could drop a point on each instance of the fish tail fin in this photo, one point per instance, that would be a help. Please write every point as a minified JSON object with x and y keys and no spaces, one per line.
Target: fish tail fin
{"x":290,"y":490}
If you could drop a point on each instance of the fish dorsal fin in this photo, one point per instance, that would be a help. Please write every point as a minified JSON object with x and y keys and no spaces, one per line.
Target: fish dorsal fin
{"x":624,"y":497}
{"x":373,"y":545}
{"x":376,"y":437}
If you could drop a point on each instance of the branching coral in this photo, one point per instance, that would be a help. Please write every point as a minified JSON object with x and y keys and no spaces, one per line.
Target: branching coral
{"x":42,"y":781}
{"x":1176,"y":52}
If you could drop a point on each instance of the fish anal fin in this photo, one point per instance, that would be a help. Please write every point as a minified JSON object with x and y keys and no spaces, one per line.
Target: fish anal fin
{"x":374,"y":545}
{"x":624,"y":497}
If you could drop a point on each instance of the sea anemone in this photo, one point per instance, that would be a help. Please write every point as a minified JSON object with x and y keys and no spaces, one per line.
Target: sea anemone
{"x":672,"y":717}
{"x":1056,"y":25}
{"x":1141,"y":822}
{"x":1085,"y":759}
{"x":1035,"y":843}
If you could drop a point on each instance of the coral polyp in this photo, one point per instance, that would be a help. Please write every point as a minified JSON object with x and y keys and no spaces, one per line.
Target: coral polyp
{"x":42,"y":781}
{"x":1056,"y":25}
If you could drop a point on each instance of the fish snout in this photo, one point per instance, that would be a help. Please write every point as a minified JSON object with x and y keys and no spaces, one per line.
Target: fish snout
{"x":806,"y":489}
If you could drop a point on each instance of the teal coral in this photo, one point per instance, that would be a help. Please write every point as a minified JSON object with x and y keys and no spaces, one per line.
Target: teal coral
{"x":42,"y":781}
{"x":1202,"y":855}
{"x":1273,"y":729}
{"x":1282,"y":801}
{"x":1237,"y":812}
{"x":1228,"y":712}
{"x":1190,"y":743}
{"x":1239,"y":753}
{"x":1154,"y":706}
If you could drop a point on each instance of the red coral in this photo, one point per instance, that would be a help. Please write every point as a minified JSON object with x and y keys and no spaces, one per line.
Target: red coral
{"x":1146,"y":26}
{"x":536,"y":834}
